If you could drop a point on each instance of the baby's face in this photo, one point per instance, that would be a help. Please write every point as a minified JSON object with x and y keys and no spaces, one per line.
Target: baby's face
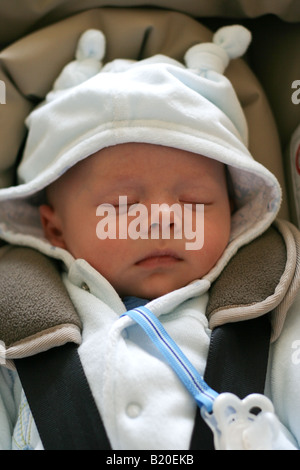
{"x":150,"y":265}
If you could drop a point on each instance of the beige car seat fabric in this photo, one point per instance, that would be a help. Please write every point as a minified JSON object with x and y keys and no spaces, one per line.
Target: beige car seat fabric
{"x":29,"y":66}
{"x":33,"y":14}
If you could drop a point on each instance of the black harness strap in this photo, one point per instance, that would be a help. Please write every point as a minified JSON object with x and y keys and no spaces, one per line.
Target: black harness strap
{"x":66,"y":414}
{"x":61,"y":401}
{"x":237,"y":363}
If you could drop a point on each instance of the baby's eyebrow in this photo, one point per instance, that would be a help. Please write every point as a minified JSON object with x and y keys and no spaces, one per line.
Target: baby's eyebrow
{"x":195,"y":184}
{"x":119,"y":177}
{"x":119,"y":185}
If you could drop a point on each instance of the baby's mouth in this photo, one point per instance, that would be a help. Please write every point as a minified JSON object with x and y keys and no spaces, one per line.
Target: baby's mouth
{"x":159,"y":258}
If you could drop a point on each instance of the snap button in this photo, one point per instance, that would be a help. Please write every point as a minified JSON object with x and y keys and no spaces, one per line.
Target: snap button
{"x":133,"y":410}
{"x":85,"y":287}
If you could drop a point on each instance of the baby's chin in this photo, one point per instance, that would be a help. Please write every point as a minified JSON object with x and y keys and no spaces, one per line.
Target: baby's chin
{"x":151,"y":292}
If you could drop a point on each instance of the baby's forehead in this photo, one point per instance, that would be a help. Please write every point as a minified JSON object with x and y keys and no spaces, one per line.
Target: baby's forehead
{"x":136,"y":158}
{"x":134,"y":167}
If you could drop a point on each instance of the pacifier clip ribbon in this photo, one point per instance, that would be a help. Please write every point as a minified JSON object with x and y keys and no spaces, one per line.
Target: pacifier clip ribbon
{"x":189,"y":376}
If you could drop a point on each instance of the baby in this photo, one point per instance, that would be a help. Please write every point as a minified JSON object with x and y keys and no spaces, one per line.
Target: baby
{"x":146,"y":174}
{"x":108,"y":146}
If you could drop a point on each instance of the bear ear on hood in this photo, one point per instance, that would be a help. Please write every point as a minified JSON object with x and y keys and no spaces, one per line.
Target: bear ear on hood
{"x":229,"y":42}
{"x":89,"y":55}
